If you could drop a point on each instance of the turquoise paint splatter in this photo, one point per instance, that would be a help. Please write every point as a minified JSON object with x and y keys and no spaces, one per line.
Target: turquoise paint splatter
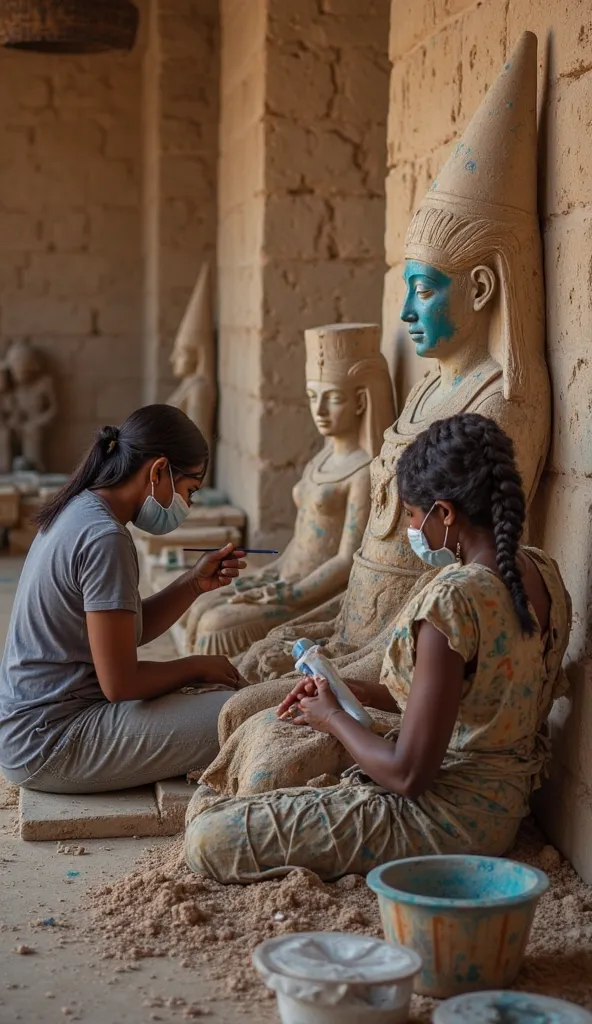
{"x":500,"y":646}
{"x":471,"y":166}
{"x":457,"y":380}
{"x":426,"y":306}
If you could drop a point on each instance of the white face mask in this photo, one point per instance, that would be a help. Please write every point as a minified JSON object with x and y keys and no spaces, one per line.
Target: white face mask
{"x":437,"y":559}
{"x":154,"y":518}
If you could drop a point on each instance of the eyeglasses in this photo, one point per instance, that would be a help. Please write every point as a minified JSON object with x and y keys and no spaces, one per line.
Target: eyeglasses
{"x":198,"y":477}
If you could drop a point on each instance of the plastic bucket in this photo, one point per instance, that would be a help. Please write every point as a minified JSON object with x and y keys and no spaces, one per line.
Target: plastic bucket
{"x":337,"y":978}
{"x":513,"y":1007}
{"x":469,"y":918}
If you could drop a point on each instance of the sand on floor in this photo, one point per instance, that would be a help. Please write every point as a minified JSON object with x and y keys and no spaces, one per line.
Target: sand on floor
{"x":162,"y":909}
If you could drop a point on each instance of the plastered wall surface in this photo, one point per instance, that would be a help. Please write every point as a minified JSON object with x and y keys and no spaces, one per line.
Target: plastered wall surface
{"x":70,"y":231}
{"x":444,"y":55}
{"x":301,"y":228}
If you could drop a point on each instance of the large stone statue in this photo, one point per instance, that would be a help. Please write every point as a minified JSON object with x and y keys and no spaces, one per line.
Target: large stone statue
{"x":194,"y":361}
{"x":31,"y":400}
{"x":474,"y":301}
{"x":351,"y":399}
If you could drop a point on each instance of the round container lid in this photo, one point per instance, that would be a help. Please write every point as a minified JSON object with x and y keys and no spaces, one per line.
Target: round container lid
{"x":301,"y":647}
{"x":336,"y":956}
{"x":509,"y":1008}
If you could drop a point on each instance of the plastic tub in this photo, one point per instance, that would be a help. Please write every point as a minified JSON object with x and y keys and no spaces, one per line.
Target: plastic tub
{"x":337,"y":978}
{"x":469,"y":918}
{"x":509,"y":1008}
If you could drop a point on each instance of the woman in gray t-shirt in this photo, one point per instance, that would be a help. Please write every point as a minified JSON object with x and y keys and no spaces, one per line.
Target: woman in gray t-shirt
{"x":78,"y":711}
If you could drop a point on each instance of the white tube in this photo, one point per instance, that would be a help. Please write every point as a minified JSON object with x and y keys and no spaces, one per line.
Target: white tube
{"x":318,"y":665}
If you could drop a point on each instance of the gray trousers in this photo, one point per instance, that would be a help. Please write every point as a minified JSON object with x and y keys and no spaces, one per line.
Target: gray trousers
{"x":132,"y":743}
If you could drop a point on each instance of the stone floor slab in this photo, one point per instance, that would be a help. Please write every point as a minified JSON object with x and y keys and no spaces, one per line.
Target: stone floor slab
{"x":172,"y":797}
{"x":130,"y":812}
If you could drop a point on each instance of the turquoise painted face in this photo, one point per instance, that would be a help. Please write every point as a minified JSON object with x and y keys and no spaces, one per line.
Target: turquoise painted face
{"x":427,"y":306}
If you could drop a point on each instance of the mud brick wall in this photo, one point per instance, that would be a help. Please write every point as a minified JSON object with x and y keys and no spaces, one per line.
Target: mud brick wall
{"x":180,"y":143}
{"x":70,"y":231}
{"x":301,"y":223}
{"x":444,"y":55}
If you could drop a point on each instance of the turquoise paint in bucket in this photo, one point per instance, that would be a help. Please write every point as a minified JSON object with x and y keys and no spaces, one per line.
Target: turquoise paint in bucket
{"x":468,"y":918}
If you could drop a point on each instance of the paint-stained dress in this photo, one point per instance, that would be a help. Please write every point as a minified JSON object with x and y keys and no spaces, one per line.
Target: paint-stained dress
{"x":495,"y":756}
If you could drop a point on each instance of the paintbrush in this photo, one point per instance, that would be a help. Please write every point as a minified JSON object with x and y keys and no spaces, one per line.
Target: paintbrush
{"x":245,"y":551}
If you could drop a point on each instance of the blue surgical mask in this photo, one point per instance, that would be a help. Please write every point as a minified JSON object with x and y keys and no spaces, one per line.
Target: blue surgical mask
{"x":437,"y":559}
{"x":154,"y":518}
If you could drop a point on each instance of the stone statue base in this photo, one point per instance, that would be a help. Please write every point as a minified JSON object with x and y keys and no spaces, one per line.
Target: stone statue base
{"x":21,"y":497}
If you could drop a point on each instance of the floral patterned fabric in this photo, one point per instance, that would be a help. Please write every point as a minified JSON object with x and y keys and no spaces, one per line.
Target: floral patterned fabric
{"x":499,"y":747}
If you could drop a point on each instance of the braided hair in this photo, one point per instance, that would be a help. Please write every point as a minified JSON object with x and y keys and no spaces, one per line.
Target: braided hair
{"x":469,"y":461}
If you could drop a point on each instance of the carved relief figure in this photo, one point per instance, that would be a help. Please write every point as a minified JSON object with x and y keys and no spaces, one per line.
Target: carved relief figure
{"x":194,"y":361}
{"x":351,"y":400}
{"x":32,"y":403}
{"x":474,"y":301}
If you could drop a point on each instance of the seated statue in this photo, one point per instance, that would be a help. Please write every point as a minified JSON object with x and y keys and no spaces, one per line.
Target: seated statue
{"x":474,"y":302}
{"x":474,"y":665}
{"x":351,"y":399}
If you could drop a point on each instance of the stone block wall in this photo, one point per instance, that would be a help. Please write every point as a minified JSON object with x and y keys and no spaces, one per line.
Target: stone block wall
{"x":70,"y":231}
{"x":301,"y":185}
{"x":180,"y":118}
{"x":444,"y":55}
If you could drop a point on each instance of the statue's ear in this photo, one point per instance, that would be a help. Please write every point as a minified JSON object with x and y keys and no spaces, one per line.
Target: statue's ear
{"x":361,"y":401}
{"x":483,"y":283}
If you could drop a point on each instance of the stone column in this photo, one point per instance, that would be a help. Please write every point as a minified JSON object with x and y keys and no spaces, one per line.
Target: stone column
{"x":301,"y":206}
{"x":444,"y":57}
{"x":181,"y":105}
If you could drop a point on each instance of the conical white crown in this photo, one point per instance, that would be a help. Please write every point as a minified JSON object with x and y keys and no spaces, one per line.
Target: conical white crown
{"x":196,"y":332}
{"x":495,"y":163}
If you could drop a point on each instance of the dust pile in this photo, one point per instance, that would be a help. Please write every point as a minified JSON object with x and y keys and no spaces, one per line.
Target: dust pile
{"x":162,"y":909}
{"x":9,"y":794}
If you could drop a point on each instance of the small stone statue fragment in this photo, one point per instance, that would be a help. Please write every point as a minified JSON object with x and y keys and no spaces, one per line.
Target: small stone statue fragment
{"x":27,"y":404}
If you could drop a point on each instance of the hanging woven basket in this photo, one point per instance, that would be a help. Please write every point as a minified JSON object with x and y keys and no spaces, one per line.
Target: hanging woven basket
{"x":68,"y":26}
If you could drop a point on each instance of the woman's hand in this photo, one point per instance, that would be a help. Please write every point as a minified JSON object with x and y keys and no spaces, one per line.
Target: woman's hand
{"x":318,"y":709}
{"x":218,"y":568}
{"x":371,"y":695}
{"x":305,"y":687}
{"x":216,"y":669}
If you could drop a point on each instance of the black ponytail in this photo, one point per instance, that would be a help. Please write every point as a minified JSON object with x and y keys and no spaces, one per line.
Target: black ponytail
{"x":469,"y":461}
{"x":117,"y":453}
